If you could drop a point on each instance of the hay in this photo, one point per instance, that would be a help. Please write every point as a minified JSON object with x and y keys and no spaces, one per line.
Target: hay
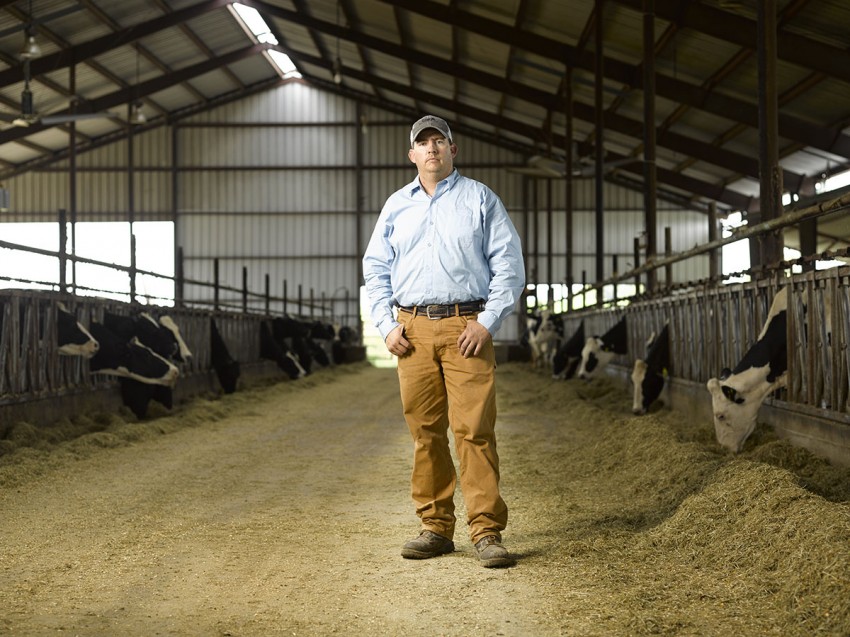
{"x":666,"y":533}
{"x":624,"y":525}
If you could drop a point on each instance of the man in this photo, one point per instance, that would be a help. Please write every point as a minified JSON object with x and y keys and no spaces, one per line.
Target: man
{"x":445,"y":253}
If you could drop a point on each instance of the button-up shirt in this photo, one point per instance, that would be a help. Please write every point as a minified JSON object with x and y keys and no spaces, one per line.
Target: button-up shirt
{"x":457,"y":246}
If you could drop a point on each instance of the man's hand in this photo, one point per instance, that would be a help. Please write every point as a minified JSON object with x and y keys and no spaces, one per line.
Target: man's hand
{"x":396,"y":343}
{"x":472,"y":339}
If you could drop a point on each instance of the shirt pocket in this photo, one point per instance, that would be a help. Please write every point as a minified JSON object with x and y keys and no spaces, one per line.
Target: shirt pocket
{"x":465,"y":227}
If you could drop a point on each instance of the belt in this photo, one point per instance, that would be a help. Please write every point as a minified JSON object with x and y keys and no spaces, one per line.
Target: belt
{"x":445,"y":311}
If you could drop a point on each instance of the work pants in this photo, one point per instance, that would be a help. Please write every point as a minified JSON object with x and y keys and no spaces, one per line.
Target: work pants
{"x":441,"y":389}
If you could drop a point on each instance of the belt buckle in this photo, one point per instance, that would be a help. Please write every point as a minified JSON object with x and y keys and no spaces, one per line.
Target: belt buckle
{"x":436,"y":308}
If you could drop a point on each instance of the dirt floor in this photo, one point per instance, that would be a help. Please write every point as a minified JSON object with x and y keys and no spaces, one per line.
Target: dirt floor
{"x":281,"y":510}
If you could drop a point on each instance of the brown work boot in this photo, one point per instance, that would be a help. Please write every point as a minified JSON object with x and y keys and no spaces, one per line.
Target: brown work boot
{"x":428,"y":544}
{"x":492,"y":554}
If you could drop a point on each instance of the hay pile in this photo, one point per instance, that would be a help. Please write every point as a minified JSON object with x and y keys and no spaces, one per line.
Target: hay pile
{"x":665,"y":533}
{"x":623,"y":525}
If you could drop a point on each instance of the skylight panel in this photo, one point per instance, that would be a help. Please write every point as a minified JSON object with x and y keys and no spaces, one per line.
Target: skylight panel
{"x":254,"y":24}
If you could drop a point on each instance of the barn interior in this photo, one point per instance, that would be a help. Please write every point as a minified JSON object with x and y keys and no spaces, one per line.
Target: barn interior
{"x":224,"y":163}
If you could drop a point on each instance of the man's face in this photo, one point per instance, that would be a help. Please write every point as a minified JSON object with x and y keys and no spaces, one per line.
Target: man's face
{"x":433,"y":154}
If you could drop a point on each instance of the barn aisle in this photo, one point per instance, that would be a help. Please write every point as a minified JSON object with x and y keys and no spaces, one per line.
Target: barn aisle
{"x":281,"y":511}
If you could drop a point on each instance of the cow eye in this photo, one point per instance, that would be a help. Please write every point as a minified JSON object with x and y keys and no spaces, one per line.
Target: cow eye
{"x":731,"y":394}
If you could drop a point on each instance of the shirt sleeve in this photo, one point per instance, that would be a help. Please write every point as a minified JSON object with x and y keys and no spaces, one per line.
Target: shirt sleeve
{"x":503,"y":250}
{"x":377,"y":265}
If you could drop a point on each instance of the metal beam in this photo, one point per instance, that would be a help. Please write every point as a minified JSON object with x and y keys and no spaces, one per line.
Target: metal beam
{"x":828,"y":138}
{"x":123,"y":96}
{"x":92,"y":48}
{"x":723,"y":25}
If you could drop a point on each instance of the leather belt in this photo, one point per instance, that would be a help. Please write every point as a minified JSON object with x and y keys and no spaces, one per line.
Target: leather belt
{"x":444,"y":311}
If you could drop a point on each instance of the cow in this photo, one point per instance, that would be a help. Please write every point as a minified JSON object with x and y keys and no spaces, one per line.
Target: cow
{"x":137,"y":395}
{"x":183,"y":353}
{"x":544,"y":335}
{"x":225,"y":366}
{"x":737,"y":395}
{"x":130,"y":359}
{"x":277,"y":350}
{"x":164,"y":339}
{"x":293,"y":334}
{"x":73,"y":338}
{"x":649,"y":373}
{"x":319,"y":340}
{"x":344,"y":337}
{"x":599,"y":350}
{"x":568,"y":356}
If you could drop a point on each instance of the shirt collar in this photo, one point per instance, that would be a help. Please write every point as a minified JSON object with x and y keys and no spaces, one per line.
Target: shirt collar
{"x":449,"y":181}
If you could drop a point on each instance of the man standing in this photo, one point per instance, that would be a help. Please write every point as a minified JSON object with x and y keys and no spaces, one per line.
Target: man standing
{"x":446,"y":254}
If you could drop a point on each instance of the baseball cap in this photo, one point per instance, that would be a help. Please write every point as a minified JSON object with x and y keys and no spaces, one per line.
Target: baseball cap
{"x":430,"y":121}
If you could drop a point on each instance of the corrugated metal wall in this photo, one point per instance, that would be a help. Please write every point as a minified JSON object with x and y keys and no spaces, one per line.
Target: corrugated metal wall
{"x":270,"y":184}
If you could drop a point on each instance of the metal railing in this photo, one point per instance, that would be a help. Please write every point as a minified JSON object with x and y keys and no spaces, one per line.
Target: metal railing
{"x":712,"y":327}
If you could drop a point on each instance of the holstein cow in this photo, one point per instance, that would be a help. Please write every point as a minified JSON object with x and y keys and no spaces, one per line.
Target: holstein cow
{"x":344,"y":336}
{"x":544,"y":335}
{"x":737,"y":395}
{"x":649,"y":373}
{"x":293,"y":334}
{"x":277,"y":350}
{"x":599,"y":350}
{"x":164,"y":338}
{"x":225,"y":366}
{"x":130,"y":359}
{"x":73,"y":338}
{"x":568,"y":356}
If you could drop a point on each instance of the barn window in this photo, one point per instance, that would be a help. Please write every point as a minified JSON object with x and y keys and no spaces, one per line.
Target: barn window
{"x":106,"y":242}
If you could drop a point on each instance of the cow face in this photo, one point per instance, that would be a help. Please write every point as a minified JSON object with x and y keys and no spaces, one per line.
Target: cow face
{"x":74,"y":339}
{"x":735,"y":401}
{"x":648,"y":384}
{"x":593,"y":358}
{"x":183,"y":353}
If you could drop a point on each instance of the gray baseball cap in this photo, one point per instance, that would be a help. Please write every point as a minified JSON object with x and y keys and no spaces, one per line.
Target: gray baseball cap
{"x":430,"y":121}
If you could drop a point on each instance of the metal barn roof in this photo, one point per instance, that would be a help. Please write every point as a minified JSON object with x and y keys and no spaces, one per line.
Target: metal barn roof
{"x":497,"y":69}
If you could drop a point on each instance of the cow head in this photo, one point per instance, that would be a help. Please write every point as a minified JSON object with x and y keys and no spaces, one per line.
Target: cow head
{"x":594,"y":357}
{"x":183,"y":353}
{"x":74,"y":339}
{"x":735,"y":401}
{"x":648,"y":383}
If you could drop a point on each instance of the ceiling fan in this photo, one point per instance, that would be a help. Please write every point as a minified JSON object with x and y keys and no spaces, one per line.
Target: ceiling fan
{"x":28,"y":116}
{"x":551,"y":168}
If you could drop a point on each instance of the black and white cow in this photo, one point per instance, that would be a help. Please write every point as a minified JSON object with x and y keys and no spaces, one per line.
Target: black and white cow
{"x":544,"y":332}
{"x":739,"y":393}
{"x":277,"y":350}
{"x":125,"y":358}
{"x":293,"y":335}
{"x":649,"y":373}
{"x":344,"y":337}
{"x":598,"y":351}
{"x":225,"y":366}
{"x":567,"y":358}
{"x":163,"y":338}
{"x":73,"y":338}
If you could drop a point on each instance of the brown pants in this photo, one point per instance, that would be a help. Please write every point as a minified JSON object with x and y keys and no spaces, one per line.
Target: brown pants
{"x":441,"y":388}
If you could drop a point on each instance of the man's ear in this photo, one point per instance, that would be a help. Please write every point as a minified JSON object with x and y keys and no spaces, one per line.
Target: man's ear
{"x":411,"y":156}
{"x":453,"y":148}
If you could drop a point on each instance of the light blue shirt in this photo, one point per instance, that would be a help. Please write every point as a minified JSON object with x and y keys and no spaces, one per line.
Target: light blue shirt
{"x":459,"y":245}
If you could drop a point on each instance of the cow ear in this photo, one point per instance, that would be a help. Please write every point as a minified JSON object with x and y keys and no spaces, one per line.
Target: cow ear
{"x":725,"y":373}
{"x":731,"y":394}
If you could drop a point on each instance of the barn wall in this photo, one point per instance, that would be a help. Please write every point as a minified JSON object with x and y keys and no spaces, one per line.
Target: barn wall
{"x":271,"y":185}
